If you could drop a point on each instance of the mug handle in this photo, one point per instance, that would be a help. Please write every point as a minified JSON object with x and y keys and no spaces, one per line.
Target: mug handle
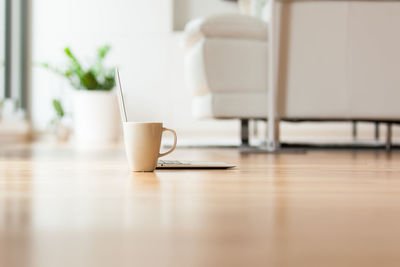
{"x":173,"y":147}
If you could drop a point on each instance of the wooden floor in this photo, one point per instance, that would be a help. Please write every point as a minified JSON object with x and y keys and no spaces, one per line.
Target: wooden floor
{"x":62,"y":207}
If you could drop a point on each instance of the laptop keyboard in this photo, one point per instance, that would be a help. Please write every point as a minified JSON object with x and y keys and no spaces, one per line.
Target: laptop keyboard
{"x":170,"y":162}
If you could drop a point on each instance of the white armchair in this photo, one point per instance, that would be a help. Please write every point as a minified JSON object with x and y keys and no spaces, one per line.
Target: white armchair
{"x":333,"y":60}
{"x":226,"y":68}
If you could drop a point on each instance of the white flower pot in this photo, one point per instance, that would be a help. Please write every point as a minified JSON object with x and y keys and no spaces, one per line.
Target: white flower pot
{"x":96,"y":117}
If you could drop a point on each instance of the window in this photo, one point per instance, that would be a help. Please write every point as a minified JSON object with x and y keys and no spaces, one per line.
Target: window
{"x":14,"y":52}
{"x":14,"y":66}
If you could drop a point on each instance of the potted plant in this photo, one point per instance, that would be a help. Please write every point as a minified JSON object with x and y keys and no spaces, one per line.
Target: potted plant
{"x":95,"y":107}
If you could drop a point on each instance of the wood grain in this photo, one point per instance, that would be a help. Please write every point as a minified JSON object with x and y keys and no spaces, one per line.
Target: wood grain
{"x":63,"y":207}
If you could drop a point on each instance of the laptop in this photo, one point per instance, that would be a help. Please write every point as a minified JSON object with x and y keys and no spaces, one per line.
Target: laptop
{"x":168,"y":164}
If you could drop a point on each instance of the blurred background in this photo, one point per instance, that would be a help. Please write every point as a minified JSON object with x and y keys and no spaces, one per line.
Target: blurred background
{"x":146,"y":43}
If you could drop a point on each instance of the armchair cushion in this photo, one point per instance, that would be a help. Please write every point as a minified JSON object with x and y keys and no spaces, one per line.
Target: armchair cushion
{"x":229,"y":106}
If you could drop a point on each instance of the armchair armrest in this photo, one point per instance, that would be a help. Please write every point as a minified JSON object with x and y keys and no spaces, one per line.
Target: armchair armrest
{"x":226,"y":26}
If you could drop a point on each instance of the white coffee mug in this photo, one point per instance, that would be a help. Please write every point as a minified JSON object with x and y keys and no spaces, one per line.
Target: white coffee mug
{"x":142,"y":144}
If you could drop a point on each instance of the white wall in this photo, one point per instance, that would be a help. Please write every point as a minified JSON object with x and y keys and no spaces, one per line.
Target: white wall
{"x":145,"y":48}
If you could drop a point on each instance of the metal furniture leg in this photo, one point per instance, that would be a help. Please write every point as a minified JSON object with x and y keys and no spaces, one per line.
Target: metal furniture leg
{"x":389,"y":137}
{"x":354,"y":131}
{"x":273,"y":138}
{"x":376,"y":131}
{"x":244,"y":132}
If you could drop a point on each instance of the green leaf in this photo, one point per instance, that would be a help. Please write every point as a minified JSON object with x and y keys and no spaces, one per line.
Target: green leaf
{"x":58,"y":108}
{"x":97,"y":67}
{"x":102,"y":51}
{"x":76,"y":67}
{"x":89,"y":81}
{"x":109,"y":83}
